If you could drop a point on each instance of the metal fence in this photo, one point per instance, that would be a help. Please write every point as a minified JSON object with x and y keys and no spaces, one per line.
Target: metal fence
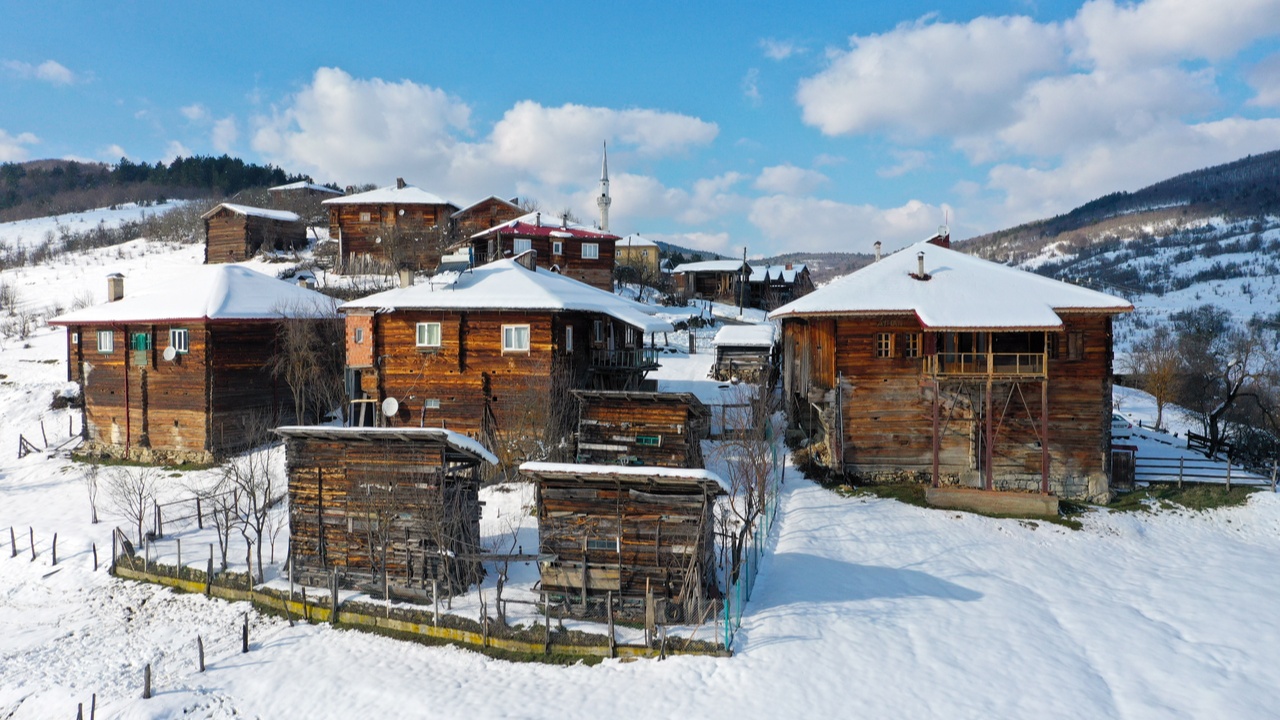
{"x":738,"y":591}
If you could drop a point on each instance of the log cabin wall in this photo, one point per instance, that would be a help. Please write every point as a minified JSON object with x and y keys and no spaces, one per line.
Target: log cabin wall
{"x":246,"y":399}
{"x":630,"y":534}
{"x":752,"y":364}
{"x":358,"y":227}
{"x":596,"y":272}
{"x":664,"y":429}
{"x":350,"y":500}
{"x":233,"y":237}
{"x":484,"y":215}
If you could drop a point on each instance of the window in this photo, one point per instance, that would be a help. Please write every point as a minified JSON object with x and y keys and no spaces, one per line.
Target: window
{"x":598,"y":325}
{"x":359,"y":335}
{"x":649,"y":440}
{"x":611,"y":545}
{"x":568,"y":339}
{"x":141,"y":341}
{"x":366,"y":217}
{"x":884,"y":345}
{"x":75,"y":338}
{"x":1075,"y":346}
{"x":431,"y":403}
{"x":557,"y":247}
{"x":106,"y":341}
{"x":912,"y":349}
{"x":428,"y":334}
{"x":631,"y":336}
{"x":515,"y":338}
{"x":522,"y":245}
{"x":179,"y":339}
{"x":590,"y":251}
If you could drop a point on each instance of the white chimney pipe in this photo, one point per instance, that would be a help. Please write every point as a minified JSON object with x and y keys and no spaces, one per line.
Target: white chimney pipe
{"x":920,"y":259}
{"x":115,"y":287}
{"x":877,"y":246}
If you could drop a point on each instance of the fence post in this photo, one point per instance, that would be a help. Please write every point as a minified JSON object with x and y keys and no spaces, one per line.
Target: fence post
{"x":13,"y":543}
{"x":244,"y":635}
{"x":200,"y":651}
{"x":1180,"y":464}
{"x":1274,"y":464}
{"x":146,"y":682}
{"x":1228,"y":474}
{"x":95,"y":557}
{"x":55,"y":548}
{"x":613,"y":643}
{"x":31,"y":534}
{"x":199,"y":515}
{"x":179,"y":541}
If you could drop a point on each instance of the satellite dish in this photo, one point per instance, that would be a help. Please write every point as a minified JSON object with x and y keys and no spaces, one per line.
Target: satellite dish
{"x":390,"y":406}
{"x":170,"y":353}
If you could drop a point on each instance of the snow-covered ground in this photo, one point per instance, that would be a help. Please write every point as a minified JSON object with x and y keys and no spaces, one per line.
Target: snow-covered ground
{"x":864,"y":607}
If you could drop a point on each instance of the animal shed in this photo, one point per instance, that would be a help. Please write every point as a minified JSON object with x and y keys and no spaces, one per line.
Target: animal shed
{"x":641,"y":428}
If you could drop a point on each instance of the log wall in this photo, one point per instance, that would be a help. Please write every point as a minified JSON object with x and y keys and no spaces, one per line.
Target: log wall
{"x":232,"y":237}
{"x":597,"y":272}
{"x":618,"y":430}
{"x":359,"y":238}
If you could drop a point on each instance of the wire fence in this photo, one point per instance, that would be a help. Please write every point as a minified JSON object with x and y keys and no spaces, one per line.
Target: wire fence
{"x":738,"y":590}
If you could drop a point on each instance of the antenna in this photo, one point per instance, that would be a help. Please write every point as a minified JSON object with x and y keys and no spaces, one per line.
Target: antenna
{"x":390,"y":406}
{"x":170,"y":353}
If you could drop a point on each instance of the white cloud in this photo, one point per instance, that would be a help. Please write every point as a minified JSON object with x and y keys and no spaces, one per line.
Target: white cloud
{"x":1160,"y":31}
{"x":931,"y":78}
{"x":49,"y":71}
{"x":751,"y":86}
{"x":195,"y":112}
{"x":175,"y":150}
{"x":113,"y":153}
{"x":779,"y":49}
{"x":709,"y":242}
{"x":827,"y":225}
{"x":13,"y":148}
{"x":789,"y":180}
{"x":1265,"y":80}
{"x":224,"y":134}
{"x":907,"y":160}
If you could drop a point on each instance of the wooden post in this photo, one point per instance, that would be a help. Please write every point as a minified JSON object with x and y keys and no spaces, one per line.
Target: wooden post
{"x":79,"y":711}
{"x":31,"y":534}
{"x":1044,"y":434}
{"x":244,"y":635}
{"x":435,"y":599}
{"x":146,"y":682}
{"x":179,"y":541}
{"x":613,"y":642}
{"x":333,"y":596}
{"x":546,"y":622}
{"x":937,"y":442}
{"x":199,"y":515}
{"x":200,"y":651}
{"x":93,"y":706}
{"x":1180,"y":462}
{"x":43,"y":436}
{"x":95,"y":557}
{"x":648,"y":613}
{"x":13,"y":543}
{"x":1228,"y":474}
{"x":987,"y":450}
{"x":208,"y":578}
{"x":55,"y":548}
{"x":306,"y":609}
{"x":1274,"y":464}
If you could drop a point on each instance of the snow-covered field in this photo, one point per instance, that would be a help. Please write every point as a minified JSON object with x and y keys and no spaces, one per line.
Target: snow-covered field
{"x":864,"y":607}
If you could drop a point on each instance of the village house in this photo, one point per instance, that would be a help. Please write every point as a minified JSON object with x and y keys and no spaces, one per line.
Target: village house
{"x":771,"y":286}
{"x":628,"y":427}
{"x":739,"y":282}
{"x":746,"y":353}
{"x":628,"y":532}
{"x":178,"y":369}
{"x":638,"y":258}
{"x":390,"y":510}
{"x":233,"y":233}
{"x":493,"y":352}
{"x":485,"y":214}
{"x":934,"y":364}
{"x":392,"y":227}
{"x":571,"y":249}
{"x":300,"y":189}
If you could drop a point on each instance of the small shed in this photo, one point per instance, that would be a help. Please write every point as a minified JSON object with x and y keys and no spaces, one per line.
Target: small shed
{"x":233,"y":233}
{"x":388,"y":509}
{"x":629,"y":532}
{"x":746,"y":352}
{"x":641,"y":428}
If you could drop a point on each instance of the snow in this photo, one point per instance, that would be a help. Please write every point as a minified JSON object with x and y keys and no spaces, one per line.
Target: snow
{"x":458,"y":441}
{"x":645,"y":471}
{"x":634,"y":240}
{"x":213,"y":292}
{"x":472,"y":206}
{"x":507,"y":285}
{"x":535,"y":224}
{"x":962,"y":292}
{"x":304,"y":185}
{"x":407,"y":195}
{"x":732,"y":266}
{"x":282,"y":215}
{"x":764,"y":335}
{"x":29,"y":233}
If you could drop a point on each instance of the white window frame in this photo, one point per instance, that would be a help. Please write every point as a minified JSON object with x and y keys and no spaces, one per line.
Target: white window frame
{"x":590,"y":251}
{"x":598,"y":330}
{"x":358,"y":335}
{"x":519,"y":245}
{"x":110,"y":337}
{"x":557,"y":247}
{"x":568,"y":338}
{"x":366,"y":217}
{"x":511,"y":339}
{"x":75,"y":338}
{"x":422,"y":335}
{"x":180,"y":340}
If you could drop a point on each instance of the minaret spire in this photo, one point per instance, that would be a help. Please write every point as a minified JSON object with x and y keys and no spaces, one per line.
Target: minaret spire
{"x":604,"y":200}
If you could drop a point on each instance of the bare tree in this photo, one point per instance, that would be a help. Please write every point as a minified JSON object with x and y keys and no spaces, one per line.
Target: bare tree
{"x":91,"y":475}
{"x":132,"y":491}
{"x":255,"y":481}
{"x":309,"y":357}
{"x":747,"y":459}
{"x":1158,"y":366}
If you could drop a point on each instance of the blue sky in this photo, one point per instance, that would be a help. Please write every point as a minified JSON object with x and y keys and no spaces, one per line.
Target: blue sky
{"x":809,"y":125}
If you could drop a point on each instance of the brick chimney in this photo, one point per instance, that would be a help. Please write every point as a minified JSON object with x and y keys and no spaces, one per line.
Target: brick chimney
{"x":399,"y":183}
{"x":115,"y":287}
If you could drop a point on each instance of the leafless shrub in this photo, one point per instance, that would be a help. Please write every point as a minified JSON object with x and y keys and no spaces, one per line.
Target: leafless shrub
{"x":132,"y":492}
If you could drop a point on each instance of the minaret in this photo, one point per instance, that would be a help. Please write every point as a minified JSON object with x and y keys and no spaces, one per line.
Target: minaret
{"x":603,"y":201}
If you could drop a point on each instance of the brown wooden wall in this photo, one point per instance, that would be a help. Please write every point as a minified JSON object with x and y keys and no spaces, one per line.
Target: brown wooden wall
{"x":348,"y":500}
{"x":232,"y":237}
{"x":484,"y":215}
{"x":358,"y":238}
{"x":597,"y":272}
{"x":659,"y":535}
{"x":609,"y":428}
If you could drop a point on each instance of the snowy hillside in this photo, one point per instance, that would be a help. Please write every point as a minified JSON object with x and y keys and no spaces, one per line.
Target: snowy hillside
{"x":864,"y":607}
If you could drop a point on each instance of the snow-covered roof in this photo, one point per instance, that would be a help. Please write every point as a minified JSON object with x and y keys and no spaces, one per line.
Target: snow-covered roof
{"x":658,"y":474}
{"x":304,"y":185}
{"x":545,"y":224}
{"x":206,"y":292}
{"x":477,"y":203}
{"x":961,"y":292}
{"x":709,"y":266}
{"x":769,"y":273}
{"x":763,"y":335}
{"x":457,"y":441}
{"x":634,"y":240}
{"x":281,"y":215}
{"x":391,"y":195}
{"x":508,"y":285}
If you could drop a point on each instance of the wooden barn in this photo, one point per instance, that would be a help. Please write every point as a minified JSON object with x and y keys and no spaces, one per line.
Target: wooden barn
{"x":934,"y":364}
{"x":622,"y":427}
{"x":390,"y":510}
{"x":493,"y":352}
{"x":178,"y":369}
{"x":570,"y":249}
{"x":390,"y":228}
{"x":233,"y":233}
{"x":485,"y":214}
{"x":747,"y":353}
{"x":629,"y":532}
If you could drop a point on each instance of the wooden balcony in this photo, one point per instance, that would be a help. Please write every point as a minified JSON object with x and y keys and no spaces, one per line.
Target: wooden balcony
{"x":983,"y":364}
{"x":626,"y":359}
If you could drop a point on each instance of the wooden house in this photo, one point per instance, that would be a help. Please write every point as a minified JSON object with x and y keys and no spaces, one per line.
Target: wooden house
{"x":746,"y":352}
{"x":390,"y":228}
{"x":482,"y":215}
{"x":722,"y":280}
{"x":388,"y":509}
{"x":641,"y":256}
{"x":570,"y":249}
{"x":178,"y":370}
{"x":493,"y":352}
{"x":233,"y":233}
{"x":935,"y":364}
{"x":628,"y":531}
{"x":771,"y":286}
{"x":622,"y":427}
{"x":301,"y":189}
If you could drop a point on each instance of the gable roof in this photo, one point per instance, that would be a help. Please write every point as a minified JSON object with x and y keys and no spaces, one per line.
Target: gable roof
{"x":762,"y":335}
{"x":281,"y":215}
{"x":961,"y":292}
{"x":441,"y":436}
{"x":480,"y":202}
{"x":781,"y":273}
{"x":391,"y":195}
{"x":634,"y":240}
{"x":508,"y":285}
{"x":535,"y":225}
{"x":304,"y":185}
{"x":205,"y":292}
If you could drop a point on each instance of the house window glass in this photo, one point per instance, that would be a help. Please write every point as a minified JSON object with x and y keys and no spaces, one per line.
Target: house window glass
{"x":366,"y":217}
{"x":568,"y":339}
{"x":515,"y":338}
{"x":140,"y":341}
{"x":610,"y":545}
{"x":428,"y":334}
{"x":180,"y":339}
{"x":106,"y":341}
{"x":590,"y":251}
{"x":598,"y":326}
{"x":522,"y":245}
{"x":359,"y":335}
{"x":649,"y":440}
{"x":75,"y":338}
{"x":884,"y":345}
{"x":557,"y":247}
{"x":912,"y":348}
